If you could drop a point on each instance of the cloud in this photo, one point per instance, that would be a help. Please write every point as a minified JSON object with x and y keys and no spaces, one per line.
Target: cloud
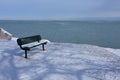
{"x":40,"y":9}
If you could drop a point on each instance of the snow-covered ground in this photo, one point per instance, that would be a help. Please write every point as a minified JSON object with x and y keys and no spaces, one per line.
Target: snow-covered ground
{"x":60,"y":61}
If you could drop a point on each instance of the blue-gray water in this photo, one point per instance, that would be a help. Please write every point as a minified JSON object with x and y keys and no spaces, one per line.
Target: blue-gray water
{"x":101,"y":33}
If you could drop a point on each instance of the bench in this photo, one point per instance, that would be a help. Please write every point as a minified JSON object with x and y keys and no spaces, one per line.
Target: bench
{"x":26,"y":43}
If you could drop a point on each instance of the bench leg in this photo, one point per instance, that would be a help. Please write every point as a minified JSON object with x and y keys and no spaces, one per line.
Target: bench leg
{"x":43,"y":47}
{"x":25,"y":53}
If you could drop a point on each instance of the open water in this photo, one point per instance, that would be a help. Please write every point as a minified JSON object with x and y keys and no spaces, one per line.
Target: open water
{"x":101,"y":33}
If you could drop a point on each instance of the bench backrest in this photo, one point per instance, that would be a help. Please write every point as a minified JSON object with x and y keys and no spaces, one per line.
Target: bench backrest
{"x":26,"y":40}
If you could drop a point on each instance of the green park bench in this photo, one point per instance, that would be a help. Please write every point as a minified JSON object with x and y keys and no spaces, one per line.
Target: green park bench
{"x":26,"y":43}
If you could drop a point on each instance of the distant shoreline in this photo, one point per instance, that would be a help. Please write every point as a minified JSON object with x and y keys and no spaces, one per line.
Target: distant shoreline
{"x":79,"y":19}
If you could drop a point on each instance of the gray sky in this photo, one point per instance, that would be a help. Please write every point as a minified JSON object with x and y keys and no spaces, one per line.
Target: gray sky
{"x":58,"y":9}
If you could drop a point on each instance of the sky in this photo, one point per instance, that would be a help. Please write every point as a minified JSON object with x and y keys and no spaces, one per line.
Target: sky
{"x":58,"y":9}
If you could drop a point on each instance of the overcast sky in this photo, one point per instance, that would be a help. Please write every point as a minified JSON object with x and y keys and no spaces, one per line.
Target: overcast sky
{"x":58,"y":9}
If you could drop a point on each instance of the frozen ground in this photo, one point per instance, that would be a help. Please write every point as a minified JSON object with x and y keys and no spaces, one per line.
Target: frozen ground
{"x":60,"y":61}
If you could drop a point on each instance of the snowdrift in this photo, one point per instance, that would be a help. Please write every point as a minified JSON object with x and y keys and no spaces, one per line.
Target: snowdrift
{"x":60,"y":61}
{"x":5,"y":35}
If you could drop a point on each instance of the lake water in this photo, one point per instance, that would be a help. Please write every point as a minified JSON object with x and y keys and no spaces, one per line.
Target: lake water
{"x":101,"y":33}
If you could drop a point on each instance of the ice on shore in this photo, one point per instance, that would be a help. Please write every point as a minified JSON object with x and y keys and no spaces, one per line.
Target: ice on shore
{"x":60,"y":61}
{"x":5,"y":35}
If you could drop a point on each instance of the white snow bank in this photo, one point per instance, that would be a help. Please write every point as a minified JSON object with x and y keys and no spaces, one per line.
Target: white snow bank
{"x":60,"y":61}
{"x":5,"y":35}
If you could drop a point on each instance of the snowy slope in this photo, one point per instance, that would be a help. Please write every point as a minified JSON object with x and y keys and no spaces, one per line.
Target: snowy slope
{"x":60,"y":61}
{"x":5,"y":35}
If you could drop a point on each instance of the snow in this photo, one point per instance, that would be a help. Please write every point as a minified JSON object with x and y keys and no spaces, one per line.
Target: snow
{"x":60,"y":61}
{"x":5,"y":35}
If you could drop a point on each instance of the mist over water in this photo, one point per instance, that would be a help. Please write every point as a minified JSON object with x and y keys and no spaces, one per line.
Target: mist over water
{"x":101,"y":33}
